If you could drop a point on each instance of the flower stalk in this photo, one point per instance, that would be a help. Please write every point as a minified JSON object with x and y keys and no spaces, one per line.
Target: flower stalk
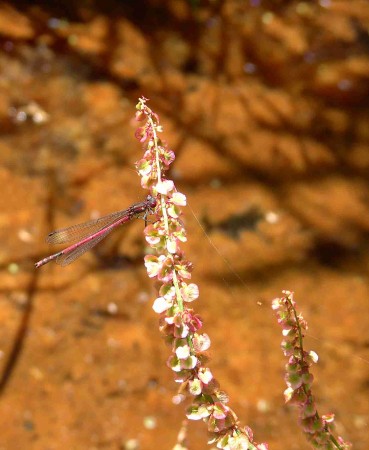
{"x":178,"y":322}
{"x":318,"y":429}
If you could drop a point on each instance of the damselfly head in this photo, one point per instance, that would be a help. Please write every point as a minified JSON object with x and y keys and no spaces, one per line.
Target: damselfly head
{"x":151,"y":201}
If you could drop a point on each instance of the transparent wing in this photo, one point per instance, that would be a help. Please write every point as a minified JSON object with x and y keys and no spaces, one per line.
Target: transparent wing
{"x":69,"y":257}
{"x":80,"y":231}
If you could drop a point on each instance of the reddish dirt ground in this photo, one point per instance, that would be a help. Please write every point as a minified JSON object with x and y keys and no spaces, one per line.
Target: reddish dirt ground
{"x":265,"y":104}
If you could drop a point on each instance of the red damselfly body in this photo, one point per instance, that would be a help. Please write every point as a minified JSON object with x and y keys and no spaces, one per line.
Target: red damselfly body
{"x":86,"y":235}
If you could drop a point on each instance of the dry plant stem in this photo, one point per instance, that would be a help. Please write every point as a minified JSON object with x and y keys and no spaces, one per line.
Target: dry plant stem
{"x":318,"y":429}
{"x":178,"y":322}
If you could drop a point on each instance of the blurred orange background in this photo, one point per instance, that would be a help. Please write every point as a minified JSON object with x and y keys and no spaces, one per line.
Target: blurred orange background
{"x":265,"y":104}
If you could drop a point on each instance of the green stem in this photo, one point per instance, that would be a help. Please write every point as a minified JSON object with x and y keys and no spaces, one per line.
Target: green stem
{"x":164,"y":211}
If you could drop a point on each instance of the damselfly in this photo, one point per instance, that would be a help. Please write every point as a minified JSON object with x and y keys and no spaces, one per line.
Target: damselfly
{"x":86,"y":235}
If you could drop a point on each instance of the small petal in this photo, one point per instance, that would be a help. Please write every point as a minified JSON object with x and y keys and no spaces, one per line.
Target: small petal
{"x":172,"y":246}
{"x":262,"y":446}
{"x":174,"y":363}
{"x":145,"y":181}
{"x":181,"y":235}
{"x":152,"y":238}
{"x":165,"y":272}
{"x":288,"y":393}
{"x":167,"y":157}
{"x":160,"y":305}
{"x":220,"y":411}
{"x":194,"y":387}
{"x":329,"y":418}
{"x":183,"y":352}
{"x":152,"y":265}
{"x":178,"y":199}
{"x":177,"y":399}
{"x":195,"y":412}
{"x":201,"y":342}
{"x":222,"y":396}
{"x":238,"y":443}
{"x":189,"y":363}
{"x":190,"y":292}
{"x":184,"y":270}
{"x":313,"y":356}
{"x":287,"y":331}
{"x":276,"y":304}
{"x":144,"y":166}
{"x":167,"y":291}
{"x":174,"y":211}
{"x":205,"y":375}
{"x":139,"y":116}
{"x":193,"y":321}
{"x":164,"y":187}
{"x":294,"y":380}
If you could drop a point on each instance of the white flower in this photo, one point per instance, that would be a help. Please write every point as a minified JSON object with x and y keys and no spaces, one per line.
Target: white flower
{"x":164,"y":187}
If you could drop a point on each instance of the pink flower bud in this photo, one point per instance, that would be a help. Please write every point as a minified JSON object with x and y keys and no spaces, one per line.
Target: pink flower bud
{"x":139,"y":116}
{"x":141,"y":134}
{"x":178,"y":399}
